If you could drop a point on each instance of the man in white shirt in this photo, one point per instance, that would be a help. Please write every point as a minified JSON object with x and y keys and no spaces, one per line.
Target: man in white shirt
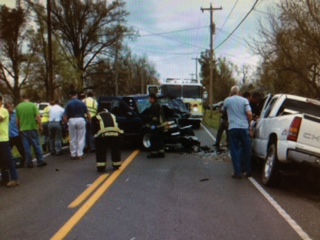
{"x":55,"y":128}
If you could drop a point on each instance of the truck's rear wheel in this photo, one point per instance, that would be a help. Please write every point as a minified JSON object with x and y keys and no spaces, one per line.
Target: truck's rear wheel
{"x":270,"y":173}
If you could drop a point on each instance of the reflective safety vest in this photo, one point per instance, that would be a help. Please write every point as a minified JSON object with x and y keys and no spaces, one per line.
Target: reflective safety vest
{"x":92,"y":105}
{"x":108,"y":125}
{"x":45,"y":116}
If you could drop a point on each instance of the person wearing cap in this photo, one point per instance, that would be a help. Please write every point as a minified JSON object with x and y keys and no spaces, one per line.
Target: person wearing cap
{"x":107,"y":134}
{"x":74,"y":115}
{"x":156,"y":136}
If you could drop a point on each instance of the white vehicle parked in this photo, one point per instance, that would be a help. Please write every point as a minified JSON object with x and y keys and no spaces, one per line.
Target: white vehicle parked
{"x":41,"y":106}
{"x":287,"y":131}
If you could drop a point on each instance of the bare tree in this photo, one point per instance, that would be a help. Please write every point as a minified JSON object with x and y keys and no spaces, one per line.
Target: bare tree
{"x":16,"y":52}
{"x":290,"y":48}
{"x":89,"y":31}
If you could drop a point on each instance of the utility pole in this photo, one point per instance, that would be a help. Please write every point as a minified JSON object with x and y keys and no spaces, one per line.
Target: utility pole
{"x":50,"y":87}
{"x":212,"y":31}
{"x":196,"y":59}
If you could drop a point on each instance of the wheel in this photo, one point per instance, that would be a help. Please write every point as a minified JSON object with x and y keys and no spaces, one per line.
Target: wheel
{"x":270,"y":173}
{"x":196,"y":124}
{"x":145,"y":140}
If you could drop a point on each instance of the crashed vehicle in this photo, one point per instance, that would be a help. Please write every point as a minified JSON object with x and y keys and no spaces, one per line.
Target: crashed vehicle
{"x":132,"y":118}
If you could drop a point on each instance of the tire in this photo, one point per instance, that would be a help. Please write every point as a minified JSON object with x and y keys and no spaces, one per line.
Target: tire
{"x":196,"y":124}
{"x":145,"y":140}
{"x":270,"y":172}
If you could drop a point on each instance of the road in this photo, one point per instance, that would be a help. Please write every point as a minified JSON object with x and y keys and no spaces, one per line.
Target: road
{"x":183,"y":196}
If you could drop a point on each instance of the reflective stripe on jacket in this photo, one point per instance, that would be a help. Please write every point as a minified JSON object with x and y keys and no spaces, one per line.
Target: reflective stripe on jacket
{"x":108,"y":125}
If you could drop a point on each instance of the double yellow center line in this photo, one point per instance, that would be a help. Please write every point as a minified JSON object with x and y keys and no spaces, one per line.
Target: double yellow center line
{"x":106,"y":183}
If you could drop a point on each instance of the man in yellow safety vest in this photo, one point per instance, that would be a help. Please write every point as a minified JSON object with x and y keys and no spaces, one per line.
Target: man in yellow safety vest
{"x":92,"y":106}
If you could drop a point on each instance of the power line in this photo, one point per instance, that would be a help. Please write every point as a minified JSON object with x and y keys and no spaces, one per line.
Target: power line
{"x":176,"y":31}
{"x":238,"y":24}
{"x":227,"y":18}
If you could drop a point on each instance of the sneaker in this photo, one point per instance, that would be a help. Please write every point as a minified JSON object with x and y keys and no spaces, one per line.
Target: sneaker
{"x":13,"y":184}
{"x":42,"y":164}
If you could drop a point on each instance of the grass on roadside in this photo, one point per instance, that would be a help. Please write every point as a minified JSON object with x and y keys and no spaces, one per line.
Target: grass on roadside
{"x":212,"y":121}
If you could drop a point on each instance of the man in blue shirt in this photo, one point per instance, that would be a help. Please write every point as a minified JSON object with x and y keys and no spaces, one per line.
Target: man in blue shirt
{"x":239,"y":117}
{"x":75,"y":113}
{"x":15,"y":137}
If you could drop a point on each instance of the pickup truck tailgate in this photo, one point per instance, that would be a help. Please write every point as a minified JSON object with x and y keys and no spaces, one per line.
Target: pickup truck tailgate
{"x":309,"y":133}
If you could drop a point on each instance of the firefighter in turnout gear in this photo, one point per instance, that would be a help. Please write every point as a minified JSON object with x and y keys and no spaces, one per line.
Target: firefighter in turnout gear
{"x":107,"y":135}
{"x":156,"y":136}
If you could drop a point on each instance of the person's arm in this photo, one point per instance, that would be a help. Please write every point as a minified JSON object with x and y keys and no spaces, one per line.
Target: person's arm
{"x":39,"y":122}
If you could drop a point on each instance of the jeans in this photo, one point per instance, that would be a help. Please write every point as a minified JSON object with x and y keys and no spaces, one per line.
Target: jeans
{"x":32,"y":139}
{"x":7,"y":161}
{"x":55,"y":136}
{"x":240,"y":147}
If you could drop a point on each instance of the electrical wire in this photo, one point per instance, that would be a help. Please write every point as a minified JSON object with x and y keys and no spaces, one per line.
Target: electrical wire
{"x":227,"y":18}
{"x":238,"y":25}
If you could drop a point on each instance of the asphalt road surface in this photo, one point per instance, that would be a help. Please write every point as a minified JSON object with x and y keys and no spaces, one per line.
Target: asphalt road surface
{"x":182,"y":196}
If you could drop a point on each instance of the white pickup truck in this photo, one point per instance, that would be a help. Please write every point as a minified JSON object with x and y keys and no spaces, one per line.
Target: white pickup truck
{"x":288,"y":130}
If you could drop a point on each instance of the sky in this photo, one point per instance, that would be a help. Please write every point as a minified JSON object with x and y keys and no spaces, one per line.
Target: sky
{"x":172,"y":34}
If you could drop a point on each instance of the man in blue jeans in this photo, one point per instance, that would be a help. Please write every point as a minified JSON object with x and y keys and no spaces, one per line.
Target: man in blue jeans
{"x":239,"y":116}
{"x":6,"y":160}
{"x":29,"y":121}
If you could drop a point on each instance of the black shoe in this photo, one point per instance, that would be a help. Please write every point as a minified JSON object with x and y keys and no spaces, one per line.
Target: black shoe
{"x":152,"y":155}
{"x":160,"y":155}
{"x":247,"y":175}
{"x":73,"y":158}
{"x":53,"y":154}
{"x":42,"y":164}
{"x":236,"y":176}
{"x":29,"y":165}
{"x":92,"y":150}
{"x":101,"y":169}
{"x":115,"y":168}
{"x":59,"y":154}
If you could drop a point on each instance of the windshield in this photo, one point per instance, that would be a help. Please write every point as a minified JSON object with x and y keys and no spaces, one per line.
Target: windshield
{"x":192,"y":92}
{"x":172,"y":91}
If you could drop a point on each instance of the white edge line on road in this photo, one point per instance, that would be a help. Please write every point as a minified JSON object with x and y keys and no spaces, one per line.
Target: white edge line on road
{"x":207,"y":130}
{"x":281,"y":211}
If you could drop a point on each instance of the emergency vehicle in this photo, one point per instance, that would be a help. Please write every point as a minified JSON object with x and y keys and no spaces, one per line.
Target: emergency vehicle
{"x":189,"y":91}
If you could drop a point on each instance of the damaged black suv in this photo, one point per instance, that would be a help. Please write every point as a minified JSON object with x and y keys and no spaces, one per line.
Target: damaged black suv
{"x":132,"y":118}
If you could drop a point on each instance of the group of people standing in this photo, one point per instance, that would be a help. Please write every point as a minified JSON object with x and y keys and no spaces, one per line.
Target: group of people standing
{"x":88,"y":127}
{"x":237,"y":113}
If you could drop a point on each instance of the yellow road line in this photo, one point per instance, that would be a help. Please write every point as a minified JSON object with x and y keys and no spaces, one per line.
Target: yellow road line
{"x":88,"y":191}
{"x":75,"y":219}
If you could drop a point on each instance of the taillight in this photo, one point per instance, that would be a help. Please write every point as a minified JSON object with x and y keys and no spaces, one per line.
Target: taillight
{"x":294,"y":129}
